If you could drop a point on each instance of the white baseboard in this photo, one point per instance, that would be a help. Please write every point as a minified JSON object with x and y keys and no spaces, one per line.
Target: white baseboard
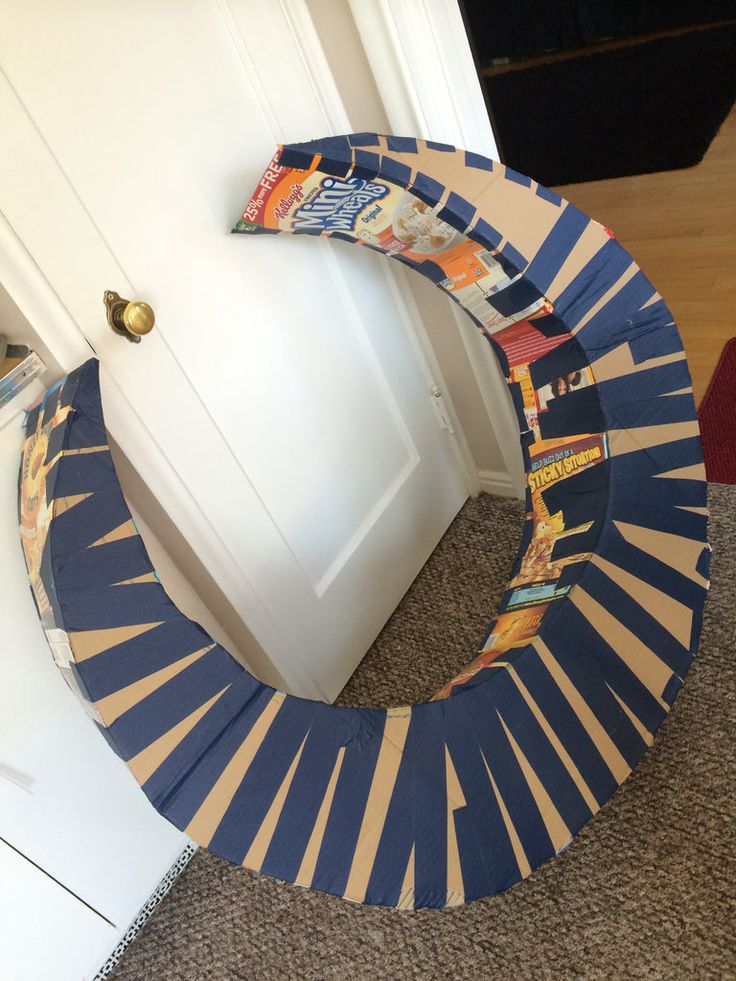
{"x":147,"y":910}
{"x":496,"y":482}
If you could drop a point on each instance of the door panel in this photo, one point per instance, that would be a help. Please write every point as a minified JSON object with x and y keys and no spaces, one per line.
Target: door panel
{"x":281,"y":383}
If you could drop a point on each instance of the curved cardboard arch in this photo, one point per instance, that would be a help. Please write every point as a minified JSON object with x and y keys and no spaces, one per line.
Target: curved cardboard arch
{"x":461,"y":796}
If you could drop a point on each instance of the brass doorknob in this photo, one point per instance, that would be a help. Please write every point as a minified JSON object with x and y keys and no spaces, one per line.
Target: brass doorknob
{"x":129,"y":318}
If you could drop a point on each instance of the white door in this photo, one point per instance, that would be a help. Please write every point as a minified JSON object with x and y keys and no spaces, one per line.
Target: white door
{"x":280,"y":409}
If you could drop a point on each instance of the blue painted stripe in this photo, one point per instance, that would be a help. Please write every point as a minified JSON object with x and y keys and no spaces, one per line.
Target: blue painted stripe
{"x":332,"y":728}
{"x":657,"y":411}
{"x":397,"y":836}
{"x":135,"y":659}
{"x":427,"y":189}
{"x":547,"y":195}
{"x":650,"y":514}
{"x":343,"y":824}
{"x":367,"y":164}
{"x":653,"y":460}
{"x":363,"y":139}
{"x":507,"y":773}
{"x":556,"y":248}
{"x":515,"y":297}
{"x":648,"y":382}
{"x":402,"y":144}
{"x":487,"y":859}
{"x":651,"y":570}
{"x":234,"y":720}
{"x":395,"y":172}
{"x":609,"y":324}
{"x":514,"y":256}
{"x":637,"y":619}
{"x":513,"y":175}
{"x":561,"y":360}
{"x":171,"y":703}
{"x":58,"y":439}
{"x":115,"y":606}
{"x":86,"y":522}
{"x":486,"y":234}
{"x":103,"y":565}
{"x":181,"y":765}
{"x":542,"y":757}
{"x":608,"y":669}
{"x":83,"y":388}
{"x":594,"y":279}
{"x":566,"y":724}
{"x":429,"y":805}
{"x":662,"y":495}
{"x":572,"y":641}
{"x":477,"y":161}
{"x":457,"y":212}
{"x":575,"y":414}
{"x":259,"y":786}
{"x":656,"y":342}
{"x":297,"y":158}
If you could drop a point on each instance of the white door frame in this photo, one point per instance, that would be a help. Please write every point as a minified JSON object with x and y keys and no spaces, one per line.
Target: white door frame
{"x":421,"y":60}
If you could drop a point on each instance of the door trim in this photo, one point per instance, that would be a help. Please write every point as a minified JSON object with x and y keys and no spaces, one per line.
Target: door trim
{"x":424,"y":70}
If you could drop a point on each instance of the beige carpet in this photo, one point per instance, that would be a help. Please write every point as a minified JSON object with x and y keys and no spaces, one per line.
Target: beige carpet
{"x":646,"y":891}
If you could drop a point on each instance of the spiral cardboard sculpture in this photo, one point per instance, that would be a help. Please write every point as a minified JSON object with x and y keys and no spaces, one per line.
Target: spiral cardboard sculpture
{"x":461,"y":796}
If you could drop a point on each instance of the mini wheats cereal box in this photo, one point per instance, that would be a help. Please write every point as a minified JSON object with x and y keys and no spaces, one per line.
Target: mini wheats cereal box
{"x":383,"y":216}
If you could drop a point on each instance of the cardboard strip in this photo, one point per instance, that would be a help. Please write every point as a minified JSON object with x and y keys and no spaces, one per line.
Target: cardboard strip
{"x":384,"y":778}
{"x":521,"y":860}
{"x":309,"y":862}
{"x":622,"y":441}
{"x":126,"y":530}
{"x":62,"y":504}
{"x":257,"y":852}
{"x":455,"y":799}
{"x":645,"y":734}
{"x":682,"y":554}
{"x":145,"y":764}
{"x":667,"y":611}
{"x":406,"y":897}
{"x":643,"y":662}
{"x":113,"y":706}
{"x":557,"y":830}
{"x":604,"y":744}
{"x":89,"y":643}
{"x":212,"y":810}
{"x":557,"y":745}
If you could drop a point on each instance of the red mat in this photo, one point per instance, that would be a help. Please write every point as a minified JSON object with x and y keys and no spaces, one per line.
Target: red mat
{"x":717,"y":416}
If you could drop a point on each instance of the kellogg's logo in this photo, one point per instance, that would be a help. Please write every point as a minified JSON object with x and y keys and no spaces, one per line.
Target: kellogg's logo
{"x":285,"y":205}
{"x":336,"y":204}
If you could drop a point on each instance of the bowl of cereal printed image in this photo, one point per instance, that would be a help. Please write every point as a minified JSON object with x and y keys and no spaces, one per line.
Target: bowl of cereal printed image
{"x":417,"y":224}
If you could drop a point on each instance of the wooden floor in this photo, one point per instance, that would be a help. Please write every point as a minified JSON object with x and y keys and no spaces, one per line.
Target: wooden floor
{"x":680,"y":226}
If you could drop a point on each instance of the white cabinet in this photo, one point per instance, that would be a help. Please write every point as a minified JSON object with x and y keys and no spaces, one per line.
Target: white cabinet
{"x":45,"y":932}
{"x":74,"y":809}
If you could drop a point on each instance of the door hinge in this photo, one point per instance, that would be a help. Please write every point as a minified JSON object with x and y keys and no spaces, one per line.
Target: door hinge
{"x":441,"y":409}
